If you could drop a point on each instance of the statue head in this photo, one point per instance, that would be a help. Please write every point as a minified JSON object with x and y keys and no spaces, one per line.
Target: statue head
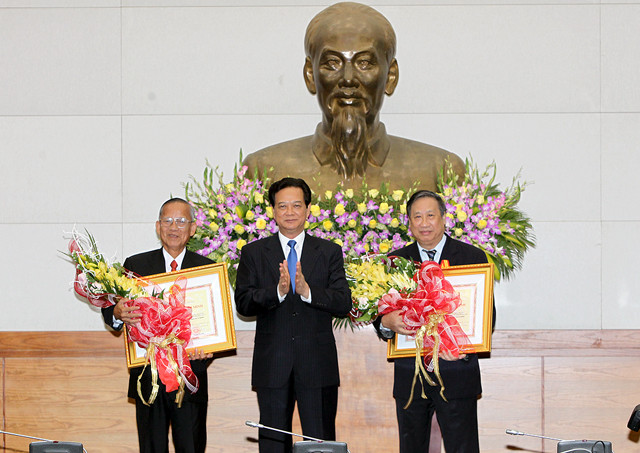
{"x":350,"y":66}
{"x":350,"y":60}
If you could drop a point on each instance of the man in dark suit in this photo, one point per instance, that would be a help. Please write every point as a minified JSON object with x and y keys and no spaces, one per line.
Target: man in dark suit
{"x":174,"y":227}
{"x":294,"y":299}
{"x":457,"y":416}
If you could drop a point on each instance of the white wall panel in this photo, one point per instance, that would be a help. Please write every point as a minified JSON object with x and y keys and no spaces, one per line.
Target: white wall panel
{"x":37,"y":278}
{"x":620,"y":58}
{"x":60,"y":61}
{"x":620,"y":165}
{"x":214,"y":60}
{"x":560,"y":284}
{"x":542,"y":58}
{"x":60,"y":169}
{"x":620,"y":283}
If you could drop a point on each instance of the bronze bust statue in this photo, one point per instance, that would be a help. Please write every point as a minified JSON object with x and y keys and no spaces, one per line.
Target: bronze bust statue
{"x":350,"y":66}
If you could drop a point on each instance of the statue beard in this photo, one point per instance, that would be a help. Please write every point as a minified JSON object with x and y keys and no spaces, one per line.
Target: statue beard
{"x":349,"y":140}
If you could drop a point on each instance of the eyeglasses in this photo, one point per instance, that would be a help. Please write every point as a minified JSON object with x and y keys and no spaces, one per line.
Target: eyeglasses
{"x":181,"y":222}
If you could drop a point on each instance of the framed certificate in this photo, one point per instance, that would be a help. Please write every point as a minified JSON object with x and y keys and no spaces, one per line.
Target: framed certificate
{"x":474,"y":284}
{"x":208,"y":295}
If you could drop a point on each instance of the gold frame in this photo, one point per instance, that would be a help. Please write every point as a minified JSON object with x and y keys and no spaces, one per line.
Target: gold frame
{"x":208,"y":284}
{"x":476,"y":321}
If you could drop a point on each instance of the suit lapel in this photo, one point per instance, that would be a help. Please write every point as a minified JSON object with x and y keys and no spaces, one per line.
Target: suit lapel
{"x":449,"y":251}
{"x":274,"y":254}
{"x":309,"y":255}
{"x":156,"y":263}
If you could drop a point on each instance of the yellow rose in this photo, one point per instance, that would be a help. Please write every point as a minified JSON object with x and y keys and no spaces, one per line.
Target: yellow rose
{"x":239,"y":228}
{"x":480,"y":199}
{"x":306,"y":224}
{"x":403,"y":208}
{"x":258,"y":197}
{"x":482,"y":223}
{"x":449,"y":215}
{"x":348,"y":193}
{"x":394,"y":223}
{"x":327,"y":225}
{"x":214,"y":226}
{"x":458,"y":232}
{"x":448,"y":192}
{"x":338,"y":241}
{"x":213,"y":213}
{"x":261,"y":224}
{"x":249,"y":215}
{"x":373,"y":193}
{"x":229,"y":187}
{"x":362,"y":208}
{"x":269,"y":211}
{"x":339,"y":209}
{"x":315,"y":210}
{"x":352,"y":223}
{"x":241,"y":243}
{"x":462,"y":216}
{"x":366,"y":247}
{"x":397,"y":195}
{"x":227,"y":217}
{"x":372,"y":223}
{"x":384,"y":208}
{"x":384,"y":247}
{"x":328,"y":194}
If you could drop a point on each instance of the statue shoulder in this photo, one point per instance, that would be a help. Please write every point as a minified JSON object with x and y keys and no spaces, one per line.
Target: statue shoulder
{"x":414,"y":151}
{"x":286,"y":155}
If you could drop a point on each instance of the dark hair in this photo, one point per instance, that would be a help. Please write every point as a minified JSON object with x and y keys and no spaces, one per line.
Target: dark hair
{"x":192,"y":211}
{"x":289,"y":182}
{"x":426,"y":193}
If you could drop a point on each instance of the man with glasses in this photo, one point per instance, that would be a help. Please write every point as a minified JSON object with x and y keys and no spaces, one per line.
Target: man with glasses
{"x":293,"y":298}
{"x":174,"y":227}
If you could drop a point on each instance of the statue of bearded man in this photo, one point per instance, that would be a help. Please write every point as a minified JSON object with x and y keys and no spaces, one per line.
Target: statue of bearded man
{"x":350,"y":66}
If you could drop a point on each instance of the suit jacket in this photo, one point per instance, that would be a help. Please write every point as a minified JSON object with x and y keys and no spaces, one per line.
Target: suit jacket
{"x":151,"y":263}
{"x":293,"y":335}
{"x":461,"y":377}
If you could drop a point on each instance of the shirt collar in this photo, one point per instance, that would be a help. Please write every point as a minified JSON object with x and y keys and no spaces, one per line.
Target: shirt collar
{"x":168,"y":258}
{"x":438,"y":248}
{"x":285,"y":246}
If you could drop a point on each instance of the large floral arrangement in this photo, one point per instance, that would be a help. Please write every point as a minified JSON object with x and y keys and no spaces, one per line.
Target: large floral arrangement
{"x":364,"y":221}
{"x":164,"y":327}
{"x":481,"y":214}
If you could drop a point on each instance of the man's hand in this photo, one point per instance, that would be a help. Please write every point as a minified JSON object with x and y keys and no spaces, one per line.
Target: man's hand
{"x":448,"y":356}
{"x":198,"y":354}
{"x":302,"y":287}
{"x":129,"y":315}
{"x":393,"y":321}
{"x":285,"y":280}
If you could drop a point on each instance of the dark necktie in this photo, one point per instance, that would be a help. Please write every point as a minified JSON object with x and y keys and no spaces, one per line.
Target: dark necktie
{"x":292,"y":259}
{"x":174,"y":265}
{"x":431,"y":253}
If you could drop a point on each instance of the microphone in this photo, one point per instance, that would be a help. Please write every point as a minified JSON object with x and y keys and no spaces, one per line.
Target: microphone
{"x":634,"y":420}
{"x":259,"y":425}
{"x":567,"y":446}
{"x":513,"y":432}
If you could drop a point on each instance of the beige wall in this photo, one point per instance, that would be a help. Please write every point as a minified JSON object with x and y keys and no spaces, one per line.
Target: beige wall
{"x":566,"y":384}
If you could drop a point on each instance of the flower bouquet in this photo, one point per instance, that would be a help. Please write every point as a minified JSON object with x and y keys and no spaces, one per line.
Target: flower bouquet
{"x":164,"y":328}
{"x":427,"y":311}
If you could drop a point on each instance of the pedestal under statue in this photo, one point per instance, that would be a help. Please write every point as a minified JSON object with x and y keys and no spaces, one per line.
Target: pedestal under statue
{"x":350,"y":66}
